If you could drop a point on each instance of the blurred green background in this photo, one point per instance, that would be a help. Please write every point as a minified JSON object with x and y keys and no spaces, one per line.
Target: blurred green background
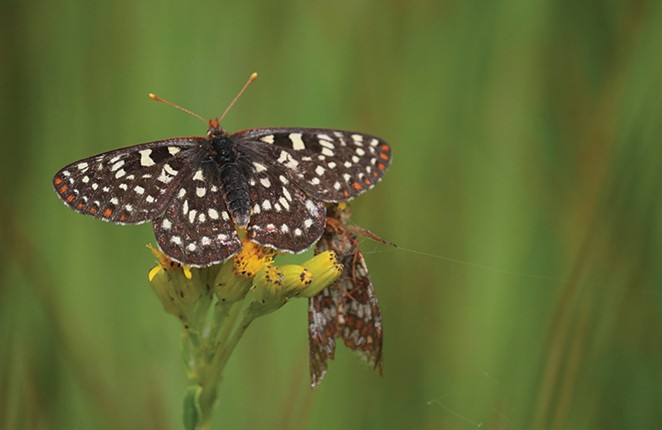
{"x":524,"y":195}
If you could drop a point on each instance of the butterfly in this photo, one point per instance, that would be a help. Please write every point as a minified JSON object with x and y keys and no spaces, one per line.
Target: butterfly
{"x":198,"y":190}
{"x":348,"y":308}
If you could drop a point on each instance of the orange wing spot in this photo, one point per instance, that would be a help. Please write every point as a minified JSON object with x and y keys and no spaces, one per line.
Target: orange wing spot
{"x":367,"y":181}
{"x":380,"y":166}
{"x":383,"y":156}
{"x":385,"y":148}
{"x":374,"y":174}
{"x":93,"y":210}
{"x":80,"y":205}
{"x":57,"y":181}
{"x":64,"y":188}
{"x":357,"y":186}
{"x":345,"y":194}
{"x":108,"y":212}
{"x":123,"y":217}
{"x":70,"y":198}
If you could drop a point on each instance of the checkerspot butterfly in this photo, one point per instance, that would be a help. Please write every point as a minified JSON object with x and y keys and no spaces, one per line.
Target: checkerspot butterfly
{"x":348,"y":308}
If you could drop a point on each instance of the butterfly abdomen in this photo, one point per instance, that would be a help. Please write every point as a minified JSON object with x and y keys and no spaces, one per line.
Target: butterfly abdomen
{"x":233,"y":181}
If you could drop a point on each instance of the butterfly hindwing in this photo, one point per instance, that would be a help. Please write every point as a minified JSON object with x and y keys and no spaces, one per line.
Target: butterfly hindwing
{"x":196,"y":227}
{"x":283,"y":216}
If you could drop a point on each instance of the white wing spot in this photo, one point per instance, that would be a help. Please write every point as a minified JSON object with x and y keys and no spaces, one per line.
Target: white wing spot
{"x":266,"y":205}
{"x":191,"y":247}
{"x":149,"y":199}
{"x":82,"y":166}
{"x":166,"y":224}
{"x":320,"y":170}
{"x":336,"y":185}
{"x":124,"y":186}
{"x":181,"y":193}
{"x":205,"y":241}
{"x":283,"y":179}
{"x":176,"y":240}
{"x":145,"y":158}
{"x":222,"y":237}
{"x":266,"y":183}
{"x":346,"y":177}
{"x":277,"y":207}
{"x":360,"y":151}
{"x":114,"y":201}
{"x":308,"y":222}
{"x":297,"y":232}
{"x":202,"y":218}
{"x":297,"y":141}
{"x":169,"y":170}
{"x":200,"y":192}
{"x":327,"y":144}
{"x":256,"y":209}
{"x":286,"y":159}
{"x":225,"y":216}
{"x":259,"y":167}
{"x":332,"y":165}
{"x":284,"y":228}
{"x":95,"y":186}
{"x":139,"y":190}
{"x":327,"y":151}
{"x":129,"y":208}
{"x":120,"y":173}
{"x":163,"y":177}
{"x":287,"y":194}
{"x":173,"y":150}
{"x":86,"y":179}
{"x":185,"y":207}
{"x":117,"y":165}
{"x":198,"y":176}
{"x":315,"y":181}
{"x":213,"y":213}
{"x":358,"y":139}
{"x":191,"y":215}
{"x":355,"y":159}
{"x":312,"y":208}
{"x":269,"y":138}
{"x":284,"y":203}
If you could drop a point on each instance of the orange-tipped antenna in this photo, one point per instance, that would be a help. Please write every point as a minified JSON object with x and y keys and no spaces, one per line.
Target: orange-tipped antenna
{"x":248,"y":82}
{"x":159,"y":99}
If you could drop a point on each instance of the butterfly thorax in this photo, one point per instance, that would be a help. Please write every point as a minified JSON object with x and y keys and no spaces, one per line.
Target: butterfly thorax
{"x":234,"y":186}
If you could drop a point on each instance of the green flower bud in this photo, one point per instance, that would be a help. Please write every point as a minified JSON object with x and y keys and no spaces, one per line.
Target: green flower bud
{"x":267,"y":293}
{"x":325,"y":269}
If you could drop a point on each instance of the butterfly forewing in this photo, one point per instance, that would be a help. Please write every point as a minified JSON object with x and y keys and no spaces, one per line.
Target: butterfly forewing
{"x":129,"y":185}
{"x":196,"y":227}
{"x":330,"y":165}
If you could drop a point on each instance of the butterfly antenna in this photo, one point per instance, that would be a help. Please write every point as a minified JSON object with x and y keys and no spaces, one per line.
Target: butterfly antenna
{"x":159,"y":99}
{"x":248,"y":82}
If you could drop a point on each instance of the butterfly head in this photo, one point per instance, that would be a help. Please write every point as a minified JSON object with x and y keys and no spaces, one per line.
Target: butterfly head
{"x":214,"y":130}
